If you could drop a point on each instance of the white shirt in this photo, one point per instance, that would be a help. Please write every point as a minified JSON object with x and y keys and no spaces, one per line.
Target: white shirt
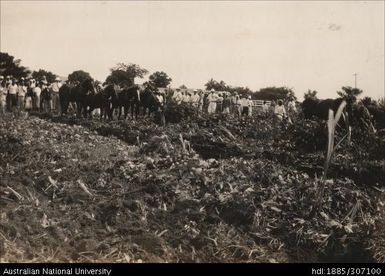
{"x":186,"y":98}
{"x":12,"y":89}
{"x":178,"y":96}
{"x":55,"y":86}
{"x":279,"y":110}
{"x":244,"y":102}
{"x":291,"y":106}
{"x":160,"y":98}
{"x":212,"y":97}
{"x":22,"y":90}
{"x":37,"y":90}
{"x":194,"y":98}
{"x":265,"y":107}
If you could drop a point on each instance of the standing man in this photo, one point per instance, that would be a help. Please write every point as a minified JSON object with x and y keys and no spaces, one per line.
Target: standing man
{"x":194,"y":99}
{"x":3,"y":96}
{"x":280,"y":111}
{"x":36,"y":90}
{"x":186,"y":97}
{"x":244,"y":103}
{"x":21,"y":92}
{"x":226,"y":104}
{"x":178,"y":97}
{"x":212,"y":99}
{"x":219,"y":102}
{"x":54,"y":89}
{"x":250,"y":105}
{"x":12,"y":93}
{"x":265,"y":107}
{"x":201,"y":96}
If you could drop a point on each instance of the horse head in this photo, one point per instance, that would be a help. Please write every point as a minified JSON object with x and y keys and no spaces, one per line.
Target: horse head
{"x":88,"y":87}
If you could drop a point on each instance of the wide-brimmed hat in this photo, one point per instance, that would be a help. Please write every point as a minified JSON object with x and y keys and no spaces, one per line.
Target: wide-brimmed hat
{"x":57,"y":79}
{"x":1,"y":77}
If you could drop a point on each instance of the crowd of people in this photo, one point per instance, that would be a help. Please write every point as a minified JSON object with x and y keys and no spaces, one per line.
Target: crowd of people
{"x":241,"y":106}
{"x":28,"y":94}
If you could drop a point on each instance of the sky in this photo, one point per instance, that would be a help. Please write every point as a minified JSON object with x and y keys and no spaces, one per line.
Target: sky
{"x":297,"y":44}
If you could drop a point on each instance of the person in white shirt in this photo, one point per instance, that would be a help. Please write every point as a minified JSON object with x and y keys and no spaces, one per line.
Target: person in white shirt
{"x":244,"y":104}
{"x":219,"y":102}
{"x":36,"y":97}
{"x":178,"y":97}
{"x":3,"y":95}
{"x":250,"y":105}
{"x":265,"y":107}
{"x":280,"y":111}
{"x":186,"y":97}
{"x":212,"y":99}
{"x":12,"y":94}
{"x":194,"y":99}
{"x":160,"y":98}
{"x":21,"y":92}
{"x":54,"y":88}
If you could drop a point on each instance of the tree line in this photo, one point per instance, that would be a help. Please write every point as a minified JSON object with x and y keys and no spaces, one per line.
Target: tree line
{"x":127,"y":73}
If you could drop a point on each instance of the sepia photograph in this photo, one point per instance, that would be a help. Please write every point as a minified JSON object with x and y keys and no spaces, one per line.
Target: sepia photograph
{"x":196,"y":132}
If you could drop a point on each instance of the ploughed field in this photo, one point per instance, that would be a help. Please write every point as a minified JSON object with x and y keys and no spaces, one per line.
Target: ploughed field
{"x":205,"y":189}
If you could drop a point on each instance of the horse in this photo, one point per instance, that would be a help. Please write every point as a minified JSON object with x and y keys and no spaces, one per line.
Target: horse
{"x":127,"y":98}
{"x":320,"y":108}
{"x":148,"y":100}
{"x":102,"y":100}
{"x":75,"y":94}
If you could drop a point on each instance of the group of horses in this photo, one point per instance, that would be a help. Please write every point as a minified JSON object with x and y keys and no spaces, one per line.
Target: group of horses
{"x":87,"y":97}
{"x":355,"y":113}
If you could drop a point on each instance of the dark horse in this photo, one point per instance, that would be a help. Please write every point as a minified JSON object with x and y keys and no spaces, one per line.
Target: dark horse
{"x":148,"y":100}
{"x":102,"y":100}
{"x":76,"y":94}
{"x":127,"y":98}
{"x":320,"y":108}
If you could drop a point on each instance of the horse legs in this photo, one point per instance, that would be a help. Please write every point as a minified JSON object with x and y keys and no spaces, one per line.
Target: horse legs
{"x":125,"y":111}
{"x":64,"y":107}
{"x":137,"y":107}
{"x":132,"y":107}
{"x":78,"y":109}
{"x":120,"y":112}
{"x":110,"y":112}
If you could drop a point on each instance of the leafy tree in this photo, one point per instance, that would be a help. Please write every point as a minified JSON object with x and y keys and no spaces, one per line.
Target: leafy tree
{"x":310,"y":94}
{"x":39,"y":75}
{"x":217,"y":86}
{"x":183,"y":86}
{"x":79,"y":75}
{"x":160,"y":79}
{"x":349,"y":94}
{"x":11,"y":66}
{"x":242,"y":91}
{"x":368,"y":101}
{"x":273,"y":93}
{"x":381,"y":102}
{"x":126,"y":73}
